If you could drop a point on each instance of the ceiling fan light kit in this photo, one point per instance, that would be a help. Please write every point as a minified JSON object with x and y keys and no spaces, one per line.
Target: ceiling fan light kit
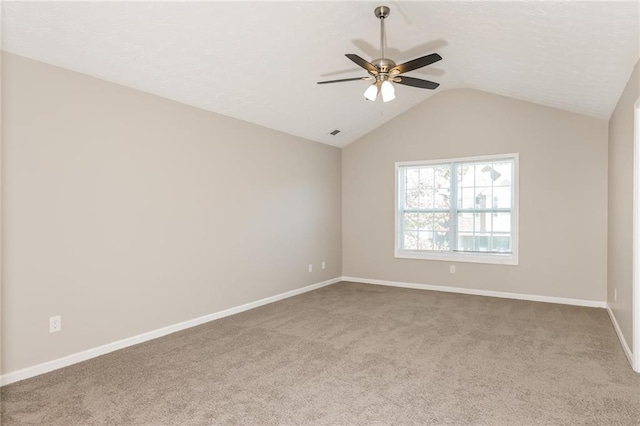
{"x":385,"y":72}
{"x":387,"y":90}
{"x":372,"y":92}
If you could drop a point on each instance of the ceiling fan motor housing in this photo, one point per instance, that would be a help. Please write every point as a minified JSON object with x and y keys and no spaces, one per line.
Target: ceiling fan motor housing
{"x":384,"y":65}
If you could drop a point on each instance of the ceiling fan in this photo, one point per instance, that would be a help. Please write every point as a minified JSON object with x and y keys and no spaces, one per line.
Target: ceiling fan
{"x":385,"y":72}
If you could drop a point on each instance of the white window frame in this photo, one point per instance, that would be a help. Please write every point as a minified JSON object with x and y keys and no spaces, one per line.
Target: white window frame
{"x":456,"y":256}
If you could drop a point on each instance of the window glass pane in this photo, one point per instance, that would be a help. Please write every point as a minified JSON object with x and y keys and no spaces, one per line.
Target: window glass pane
{"x":412,"y":178}
{"x":465,"y":176}
{"x":441,"y":231}
{"x":426,"y":178}
{"x":442,"y":176}
{"x":482,"y":198}
{"x":484,"y":174}
{"x":423,"y":221}
{"x":425,"y":240}
{"x":441,"y":222}
{"x":502,"y":243}
{"x":426,"y":221}
{"x":412,"y":200}
{"x":502,"y":173}
{"x":502,"y":197}
{"x":489,"y":200}
{"x":442,"y":198}
{"x":441,"y":227}
{"x":410,"y":221}
{"x":441,"y":241}
{"x":482,"y":222}
{"x":465,"y":241}
{"x":482,"y":242}
{"x":465,"y":222}
{"x":502,"y":222}
{"x":466,"y":198}
{"x":426,"y":199}
{"x":410,"y":240}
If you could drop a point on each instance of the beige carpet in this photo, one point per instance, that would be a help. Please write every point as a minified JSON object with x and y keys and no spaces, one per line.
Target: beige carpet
{"x":354,"y":354}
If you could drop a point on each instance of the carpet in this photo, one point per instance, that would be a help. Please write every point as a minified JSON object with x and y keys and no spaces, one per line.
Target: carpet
{"x":354,"y":354}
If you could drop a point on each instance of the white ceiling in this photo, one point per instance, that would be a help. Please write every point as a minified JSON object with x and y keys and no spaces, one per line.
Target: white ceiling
{"x":259,"y":61}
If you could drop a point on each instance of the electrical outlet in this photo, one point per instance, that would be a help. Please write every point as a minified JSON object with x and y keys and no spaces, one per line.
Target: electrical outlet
{"x":55,"y":324}
{"x":310,"y":267}
{"x":323,"y":265}
{"x":452,"y":269}
{"x":615,"y":294}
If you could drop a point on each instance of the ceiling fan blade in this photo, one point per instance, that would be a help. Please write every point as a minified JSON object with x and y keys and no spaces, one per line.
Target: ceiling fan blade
{"x":415,"y":64}
{"x":364,"y":64}
{"x":344,"y":79}
{"x":416,"y":82}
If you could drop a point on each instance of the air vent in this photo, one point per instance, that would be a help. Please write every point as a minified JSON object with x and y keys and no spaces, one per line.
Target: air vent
{"x":335,"y":132}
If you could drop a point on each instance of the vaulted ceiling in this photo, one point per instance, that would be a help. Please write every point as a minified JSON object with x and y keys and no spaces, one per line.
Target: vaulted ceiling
{"x":260,"y":61}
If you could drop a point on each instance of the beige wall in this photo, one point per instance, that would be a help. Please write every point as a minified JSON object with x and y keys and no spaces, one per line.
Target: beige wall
{"x":125,"y":212}
{"x":620,"y":244}
{"x":563,"y":193}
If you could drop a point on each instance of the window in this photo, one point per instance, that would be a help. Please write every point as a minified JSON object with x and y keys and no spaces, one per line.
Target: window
{"x":462,"y":209}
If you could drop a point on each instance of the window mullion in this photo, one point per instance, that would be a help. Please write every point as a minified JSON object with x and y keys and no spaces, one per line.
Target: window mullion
{"x":514,"y":208}
{"x":453,"y":206}
{"x":400,"y":208}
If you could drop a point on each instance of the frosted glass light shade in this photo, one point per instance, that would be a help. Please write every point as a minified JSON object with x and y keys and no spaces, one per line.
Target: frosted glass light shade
{"x":388,"y":91}
{"x":371,"y":93}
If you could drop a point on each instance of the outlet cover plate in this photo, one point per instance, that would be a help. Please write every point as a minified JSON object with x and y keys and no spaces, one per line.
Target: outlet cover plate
{"x":55,"y":324}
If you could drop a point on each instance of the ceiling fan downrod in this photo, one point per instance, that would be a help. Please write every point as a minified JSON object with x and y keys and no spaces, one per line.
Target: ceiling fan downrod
{"x":382,"y":12}
{"x":381,"y":84}
{"x":382,"y":64}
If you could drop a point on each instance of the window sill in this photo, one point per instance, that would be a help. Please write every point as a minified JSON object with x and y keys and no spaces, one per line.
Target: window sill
{"x":495,"y":259}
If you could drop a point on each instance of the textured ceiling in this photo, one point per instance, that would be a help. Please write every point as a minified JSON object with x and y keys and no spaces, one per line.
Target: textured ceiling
{"x":259,"y":61}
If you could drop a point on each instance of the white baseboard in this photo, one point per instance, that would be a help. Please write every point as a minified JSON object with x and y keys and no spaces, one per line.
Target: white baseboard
{"x":46,"y":367}
{"x":504,"y":295}
{"x":623,"y":341}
